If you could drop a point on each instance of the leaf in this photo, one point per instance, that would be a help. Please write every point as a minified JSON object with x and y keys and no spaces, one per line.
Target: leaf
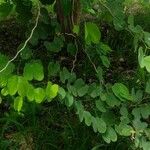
{"x":30,"y":93}
{"x":80,"y":110}
{"x":83,"y":91}
{"x":34,"y":70}
{"x":124,"y":129}
{"x":110,"y":135}
{"x":88,"y":118}
{"x":39,"y":95}
{"x":12,"y":85}
{"x":147,"y":63}
{"x":101,"y":125}
{"x":92,"y":33}
{"x":51,"y":90}
{"x":38,"y":72}
{"x":53,"y":68}
{"x":18,"y":102}
{"x":69,"y":99}
{"x":62,"y":93}
{"x":22,"y":86}
{"x":100,"y":106}
{"x":141,"y":57}
{"x":4,"y":91}
{"x":147,"y":38}
{"x":105,"y":61}
{"x":121,"y":91}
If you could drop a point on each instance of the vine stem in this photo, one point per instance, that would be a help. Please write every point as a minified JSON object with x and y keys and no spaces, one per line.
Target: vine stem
{"x":25,"y":43}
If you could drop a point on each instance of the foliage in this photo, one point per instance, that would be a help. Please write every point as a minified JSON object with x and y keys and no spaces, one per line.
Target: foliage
{"x":72,"y":68}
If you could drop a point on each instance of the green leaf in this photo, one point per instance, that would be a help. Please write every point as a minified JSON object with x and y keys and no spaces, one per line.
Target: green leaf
{"x":100,"y":106}
{"x":22,"y":86}
{"x":147,"y":63}
{"x":53,"y":68}
{"x":34,"y":70}
{"x":124,"y":129}
{"x":121,"y":91}
{"x":18,"y":102}
{"x":4,"y":91}
{"x":83,"y":91}
{"x":51,"y":90}
{"x":101,"y":125}
{"x":38,"y":72}
{"x":147,"y":38}
{"x":30,"y":93}
{"x":92,"y":33}
{"x":105,"y":61}
{"x":141,"y":57}
{"x":88,"y":118}
{"x":69,"y":99}
{"x":12,"y":85}
{"x":110,"y":135}
{"x":62,"y":93}
{"x":39,"y":95}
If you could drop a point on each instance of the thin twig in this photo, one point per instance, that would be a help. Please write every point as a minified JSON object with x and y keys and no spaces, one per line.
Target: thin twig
{"x":25,"y":43}
{"x":75,"y":58}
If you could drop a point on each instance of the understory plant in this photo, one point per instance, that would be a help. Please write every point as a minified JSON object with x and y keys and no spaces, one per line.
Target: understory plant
{"x":91,"y":56}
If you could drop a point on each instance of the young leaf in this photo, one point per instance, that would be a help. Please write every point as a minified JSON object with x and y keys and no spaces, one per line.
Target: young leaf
{"x":51,"y":90}
{"x":39,"y":95}
{"x":18,"y":102}
{"x":12,"y":85}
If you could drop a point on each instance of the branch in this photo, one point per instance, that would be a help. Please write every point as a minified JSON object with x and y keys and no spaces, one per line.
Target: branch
{"x":26,"y":42}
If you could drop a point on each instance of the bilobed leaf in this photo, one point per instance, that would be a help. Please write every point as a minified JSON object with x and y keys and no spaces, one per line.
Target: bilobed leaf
{"x":39,"y":95}
{"x":22,"y":86}
{"x":110,"y":135}
{"x":12,"y":85}
{"x":18,"y":102}
{"x":51,"y":90}
{"x":33,"y":70}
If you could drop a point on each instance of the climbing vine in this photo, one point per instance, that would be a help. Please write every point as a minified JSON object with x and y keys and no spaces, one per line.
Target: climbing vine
{"x":66,"y":58}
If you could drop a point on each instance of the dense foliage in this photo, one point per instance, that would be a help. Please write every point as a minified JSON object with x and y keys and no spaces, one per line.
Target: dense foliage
{"x":91,"y":56}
